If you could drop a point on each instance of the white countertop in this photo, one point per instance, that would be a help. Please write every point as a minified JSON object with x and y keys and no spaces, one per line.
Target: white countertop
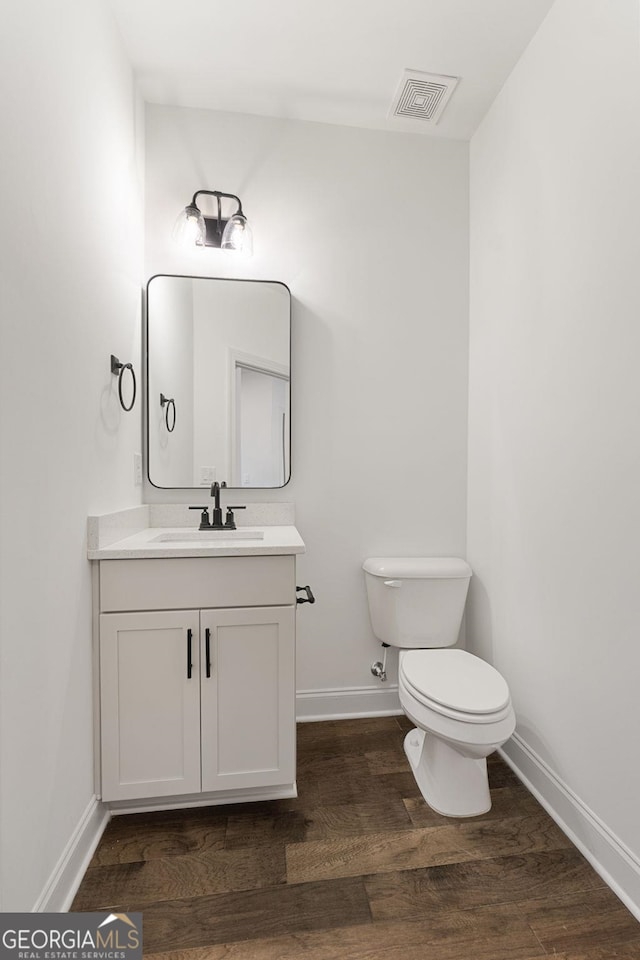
{"x":268,"y":541}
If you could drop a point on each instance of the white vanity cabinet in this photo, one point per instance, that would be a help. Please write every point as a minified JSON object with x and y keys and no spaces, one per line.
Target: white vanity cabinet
{"x":149,"y":708}
{"x":197,"y":677}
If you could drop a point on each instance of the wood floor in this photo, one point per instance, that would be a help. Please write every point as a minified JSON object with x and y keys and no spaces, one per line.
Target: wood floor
{"x":358,"y":868}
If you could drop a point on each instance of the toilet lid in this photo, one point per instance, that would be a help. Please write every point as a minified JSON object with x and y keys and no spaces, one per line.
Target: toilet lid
{"x":455,"y":679}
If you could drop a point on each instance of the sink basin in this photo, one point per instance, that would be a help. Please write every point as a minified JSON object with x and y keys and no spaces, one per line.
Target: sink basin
{"x":208,"y":536}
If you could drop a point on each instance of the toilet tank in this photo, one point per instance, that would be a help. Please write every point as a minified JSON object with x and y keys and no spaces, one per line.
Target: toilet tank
{"x":416,"y":601}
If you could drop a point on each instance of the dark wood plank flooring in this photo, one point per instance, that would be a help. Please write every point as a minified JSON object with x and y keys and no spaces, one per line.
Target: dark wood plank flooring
{"x":358,"y":868}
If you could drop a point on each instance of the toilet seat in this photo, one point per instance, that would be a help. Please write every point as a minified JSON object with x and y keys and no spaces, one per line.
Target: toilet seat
{"x":456,"y":684}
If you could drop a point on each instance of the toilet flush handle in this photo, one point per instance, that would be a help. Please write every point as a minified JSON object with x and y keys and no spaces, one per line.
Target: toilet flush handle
{"x":393,"y":583}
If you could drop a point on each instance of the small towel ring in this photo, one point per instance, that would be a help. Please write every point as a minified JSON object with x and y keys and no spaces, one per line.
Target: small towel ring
{"x":117,"y":369}
{"x":168,"y":403}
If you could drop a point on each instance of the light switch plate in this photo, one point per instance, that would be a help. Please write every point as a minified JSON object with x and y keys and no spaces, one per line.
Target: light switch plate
{"x":207,"y":475}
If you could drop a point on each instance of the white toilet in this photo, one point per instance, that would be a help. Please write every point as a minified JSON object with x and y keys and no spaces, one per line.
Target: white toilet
{"x":460,"y":704}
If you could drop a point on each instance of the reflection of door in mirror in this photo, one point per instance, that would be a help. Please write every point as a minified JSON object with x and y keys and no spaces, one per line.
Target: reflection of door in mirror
{"x":237,"y":433}
{"x":259,"y":422}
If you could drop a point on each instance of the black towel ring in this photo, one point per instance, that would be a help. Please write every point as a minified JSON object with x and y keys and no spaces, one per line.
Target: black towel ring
{"x":168,"y":402}
{"x":117,"y":369}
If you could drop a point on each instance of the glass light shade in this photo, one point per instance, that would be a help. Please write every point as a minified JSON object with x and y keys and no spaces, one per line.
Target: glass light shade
{"x":237,"y":235}
{"x":190,"y":227}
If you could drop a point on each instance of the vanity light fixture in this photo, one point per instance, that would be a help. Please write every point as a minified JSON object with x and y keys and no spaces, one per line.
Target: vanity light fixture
{"x":227,"y":233}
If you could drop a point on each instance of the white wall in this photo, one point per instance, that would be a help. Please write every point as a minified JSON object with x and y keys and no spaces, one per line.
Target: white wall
{"x":70,"y":296}
{"x":379,"y":373}
{"x":554,"y":454}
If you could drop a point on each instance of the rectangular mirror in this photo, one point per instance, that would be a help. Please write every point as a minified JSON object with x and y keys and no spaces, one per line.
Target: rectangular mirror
{"x":218,"y":382}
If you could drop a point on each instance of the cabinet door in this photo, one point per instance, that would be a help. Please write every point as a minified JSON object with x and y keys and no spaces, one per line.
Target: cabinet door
{"x":150,"y":706}
{"x":248,"y":697}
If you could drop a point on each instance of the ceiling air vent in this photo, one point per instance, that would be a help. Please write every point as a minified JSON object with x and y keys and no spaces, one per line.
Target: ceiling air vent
{"x":422,"y":96}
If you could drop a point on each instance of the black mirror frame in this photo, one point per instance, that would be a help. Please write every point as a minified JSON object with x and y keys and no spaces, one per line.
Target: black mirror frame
{"x":145,"y":424}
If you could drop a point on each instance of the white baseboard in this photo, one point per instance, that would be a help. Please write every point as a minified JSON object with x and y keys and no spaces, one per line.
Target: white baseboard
{"x":246,"y":795}
{"x":67,"y":875}
{"x":608,"y":855}
{"x":347,"y":702}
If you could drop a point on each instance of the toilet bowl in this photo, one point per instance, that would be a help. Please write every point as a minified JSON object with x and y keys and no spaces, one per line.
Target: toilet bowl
{"x":462,"y":711}
{"x":459,"y":703}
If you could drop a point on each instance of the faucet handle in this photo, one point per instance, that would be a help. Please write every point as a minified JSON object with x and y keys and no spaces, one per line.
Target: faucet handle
{"x":205,"y":523}
{"x":230,"y":521}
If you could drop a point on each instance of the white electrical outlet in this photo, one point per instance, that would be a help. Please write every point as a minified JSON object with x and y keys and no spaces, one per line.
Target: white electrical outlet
{"x":137,"y":469}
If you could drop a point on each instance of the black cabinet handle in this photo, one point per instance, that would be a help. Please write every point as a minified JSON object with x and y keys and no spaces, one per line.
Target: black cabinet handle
{"x":309,"y":597}
{"x":189,"y":663}
{"x":207,"y":645}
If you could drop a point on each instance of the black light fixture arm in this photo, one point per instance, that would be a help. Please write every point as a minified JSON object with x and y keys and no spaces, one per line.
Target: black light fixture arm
{"x":218,"y":194}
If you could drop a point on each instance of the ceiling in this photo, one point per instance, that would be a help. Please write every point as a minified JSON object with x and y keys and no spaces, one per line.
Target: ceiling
{"x":334,"y":61}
